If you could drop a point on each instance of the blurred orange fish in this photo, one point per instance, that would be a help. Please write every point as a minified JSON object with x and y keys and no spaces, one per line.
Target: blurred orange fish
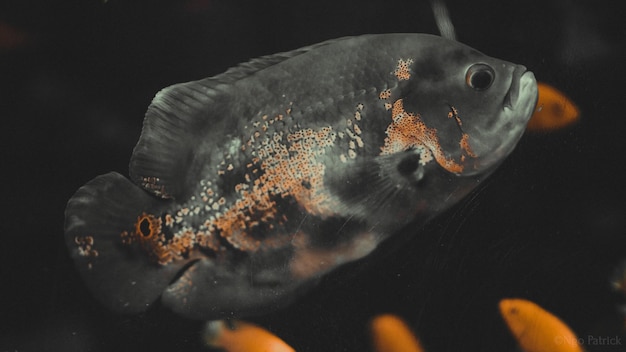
{"x":618,"y":279}
{"x":242,"y":337}
{"x":554,"y":110}
{"x":10,"y":36}
{"x":391,"y":334}
{"x":536,"y":329}
{"x":618,"y":283}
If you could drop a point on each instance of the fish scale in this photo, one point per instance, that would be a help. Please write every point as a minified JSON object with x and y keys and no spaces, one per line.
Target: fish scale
{"x":247,"y":187}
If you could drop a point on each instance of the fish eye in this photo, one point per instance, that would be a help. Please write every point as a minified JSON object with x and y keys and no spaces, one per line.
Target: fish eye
{"x":480,"y":76}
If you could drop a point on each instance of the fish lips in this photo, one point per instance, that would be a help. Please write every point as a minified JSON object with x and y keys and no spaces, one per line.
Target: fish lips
{"x":512,"y":95}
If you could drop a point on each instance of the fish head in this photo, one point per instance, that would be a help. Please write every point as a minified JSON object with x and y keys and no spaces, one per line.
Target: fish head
{"x":477,"y":106}
{"x":451,"y":116}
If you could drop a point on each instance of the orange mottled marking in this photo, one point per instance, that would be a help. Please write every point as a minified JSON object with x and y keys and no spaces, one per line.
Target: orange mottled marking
{"x":464,"y":144}
{"x":455,"y":113}
{"x":147,"y":226}
{"x":385,"y":94}
{"x":281,"y":165}
{"x":407,"y":130}
{"x":289,"y":169}
{"x":149,"y":235}
{"x":402,"y":71}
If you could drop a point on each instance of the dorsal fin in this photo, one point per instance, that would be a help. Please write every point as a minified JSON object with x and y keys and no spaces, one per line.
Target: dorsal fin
{"x":254,"y":65}
{"x":172,"y":128}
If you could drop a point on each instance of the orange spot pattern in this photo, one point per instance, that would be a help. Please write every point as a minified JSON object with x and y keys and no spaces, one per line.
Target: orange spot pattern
{"x":455,"y":113}
{"x":407,"y":130}
{"x":149,"y":235}
{"x":288,"y":169}
{"x":282,"y":165}
{"x":465,"y":146}
{"x":402,"y":71}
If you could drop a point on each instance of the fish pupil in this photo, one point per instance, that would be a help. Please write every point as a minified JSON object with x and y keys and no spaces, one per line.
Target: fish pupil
{"x":144,"y":227}
{"x":481,"y":80}
{"x":480,"y":76}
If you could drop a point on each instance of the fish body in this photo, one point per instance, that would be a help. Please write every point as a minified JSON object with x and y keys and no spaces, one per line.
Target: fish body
{"x":250,"y":185}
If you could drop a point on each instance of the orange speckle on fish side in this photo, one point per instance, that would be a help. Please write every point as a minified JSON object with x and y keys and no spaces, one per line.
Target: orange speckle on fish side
{"x":290,"y":168}
{"x":148,"y":234}
{"x":402,"y":71}
{"x":536,"y":329}
{"x":455,"y":113}
{"x":464,"y":143}
{"x":407,"y":130}
{"x":554,"y":110}
{"x":385,"y":94}
{"x":391,"y":334}
{"x":147,"y":226}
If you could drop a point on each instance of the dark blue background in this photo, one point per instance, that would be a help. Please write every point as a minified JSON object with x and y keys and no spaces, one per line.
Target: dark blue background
{"x":548,"y":226}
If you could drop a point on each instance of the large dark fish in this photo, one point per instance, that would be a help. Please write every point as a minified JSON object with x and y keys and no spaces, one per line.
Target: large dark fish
{"x":249,"y":185}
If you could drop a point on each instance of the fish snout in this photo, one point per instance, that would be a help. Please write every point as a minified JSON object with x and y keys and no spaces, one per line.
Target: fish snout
{"x":511,"y":97}
{"x":491,"y":145}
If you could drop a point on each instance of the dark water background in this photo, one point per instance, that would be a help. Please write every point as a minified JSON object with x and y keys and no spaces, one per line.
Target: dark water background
{"x":548,"y":226}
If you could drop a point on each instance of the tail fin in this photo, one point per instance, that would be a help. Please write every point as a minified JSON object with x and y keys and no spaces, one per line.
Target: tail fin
{"x":121,"y":276}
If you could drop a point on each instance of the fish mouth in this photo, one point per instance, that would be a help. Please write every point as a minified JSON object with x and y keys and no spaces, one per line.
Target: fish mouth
{"x":512,"y":95}
{"x":518,"y":105}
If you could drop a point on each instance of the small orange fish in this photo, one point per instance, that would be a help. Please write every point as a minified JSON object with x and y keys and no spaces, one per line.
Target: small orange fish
{"x":554,"y":110}
{"x":391,"y":334}
{"x":242,"y":337}
{"x":536,"y":329}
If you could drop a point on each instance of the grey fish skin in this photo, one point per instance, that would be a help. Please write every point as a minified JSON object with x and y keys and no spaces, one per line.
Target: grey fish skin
{"x":248,"y":186}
